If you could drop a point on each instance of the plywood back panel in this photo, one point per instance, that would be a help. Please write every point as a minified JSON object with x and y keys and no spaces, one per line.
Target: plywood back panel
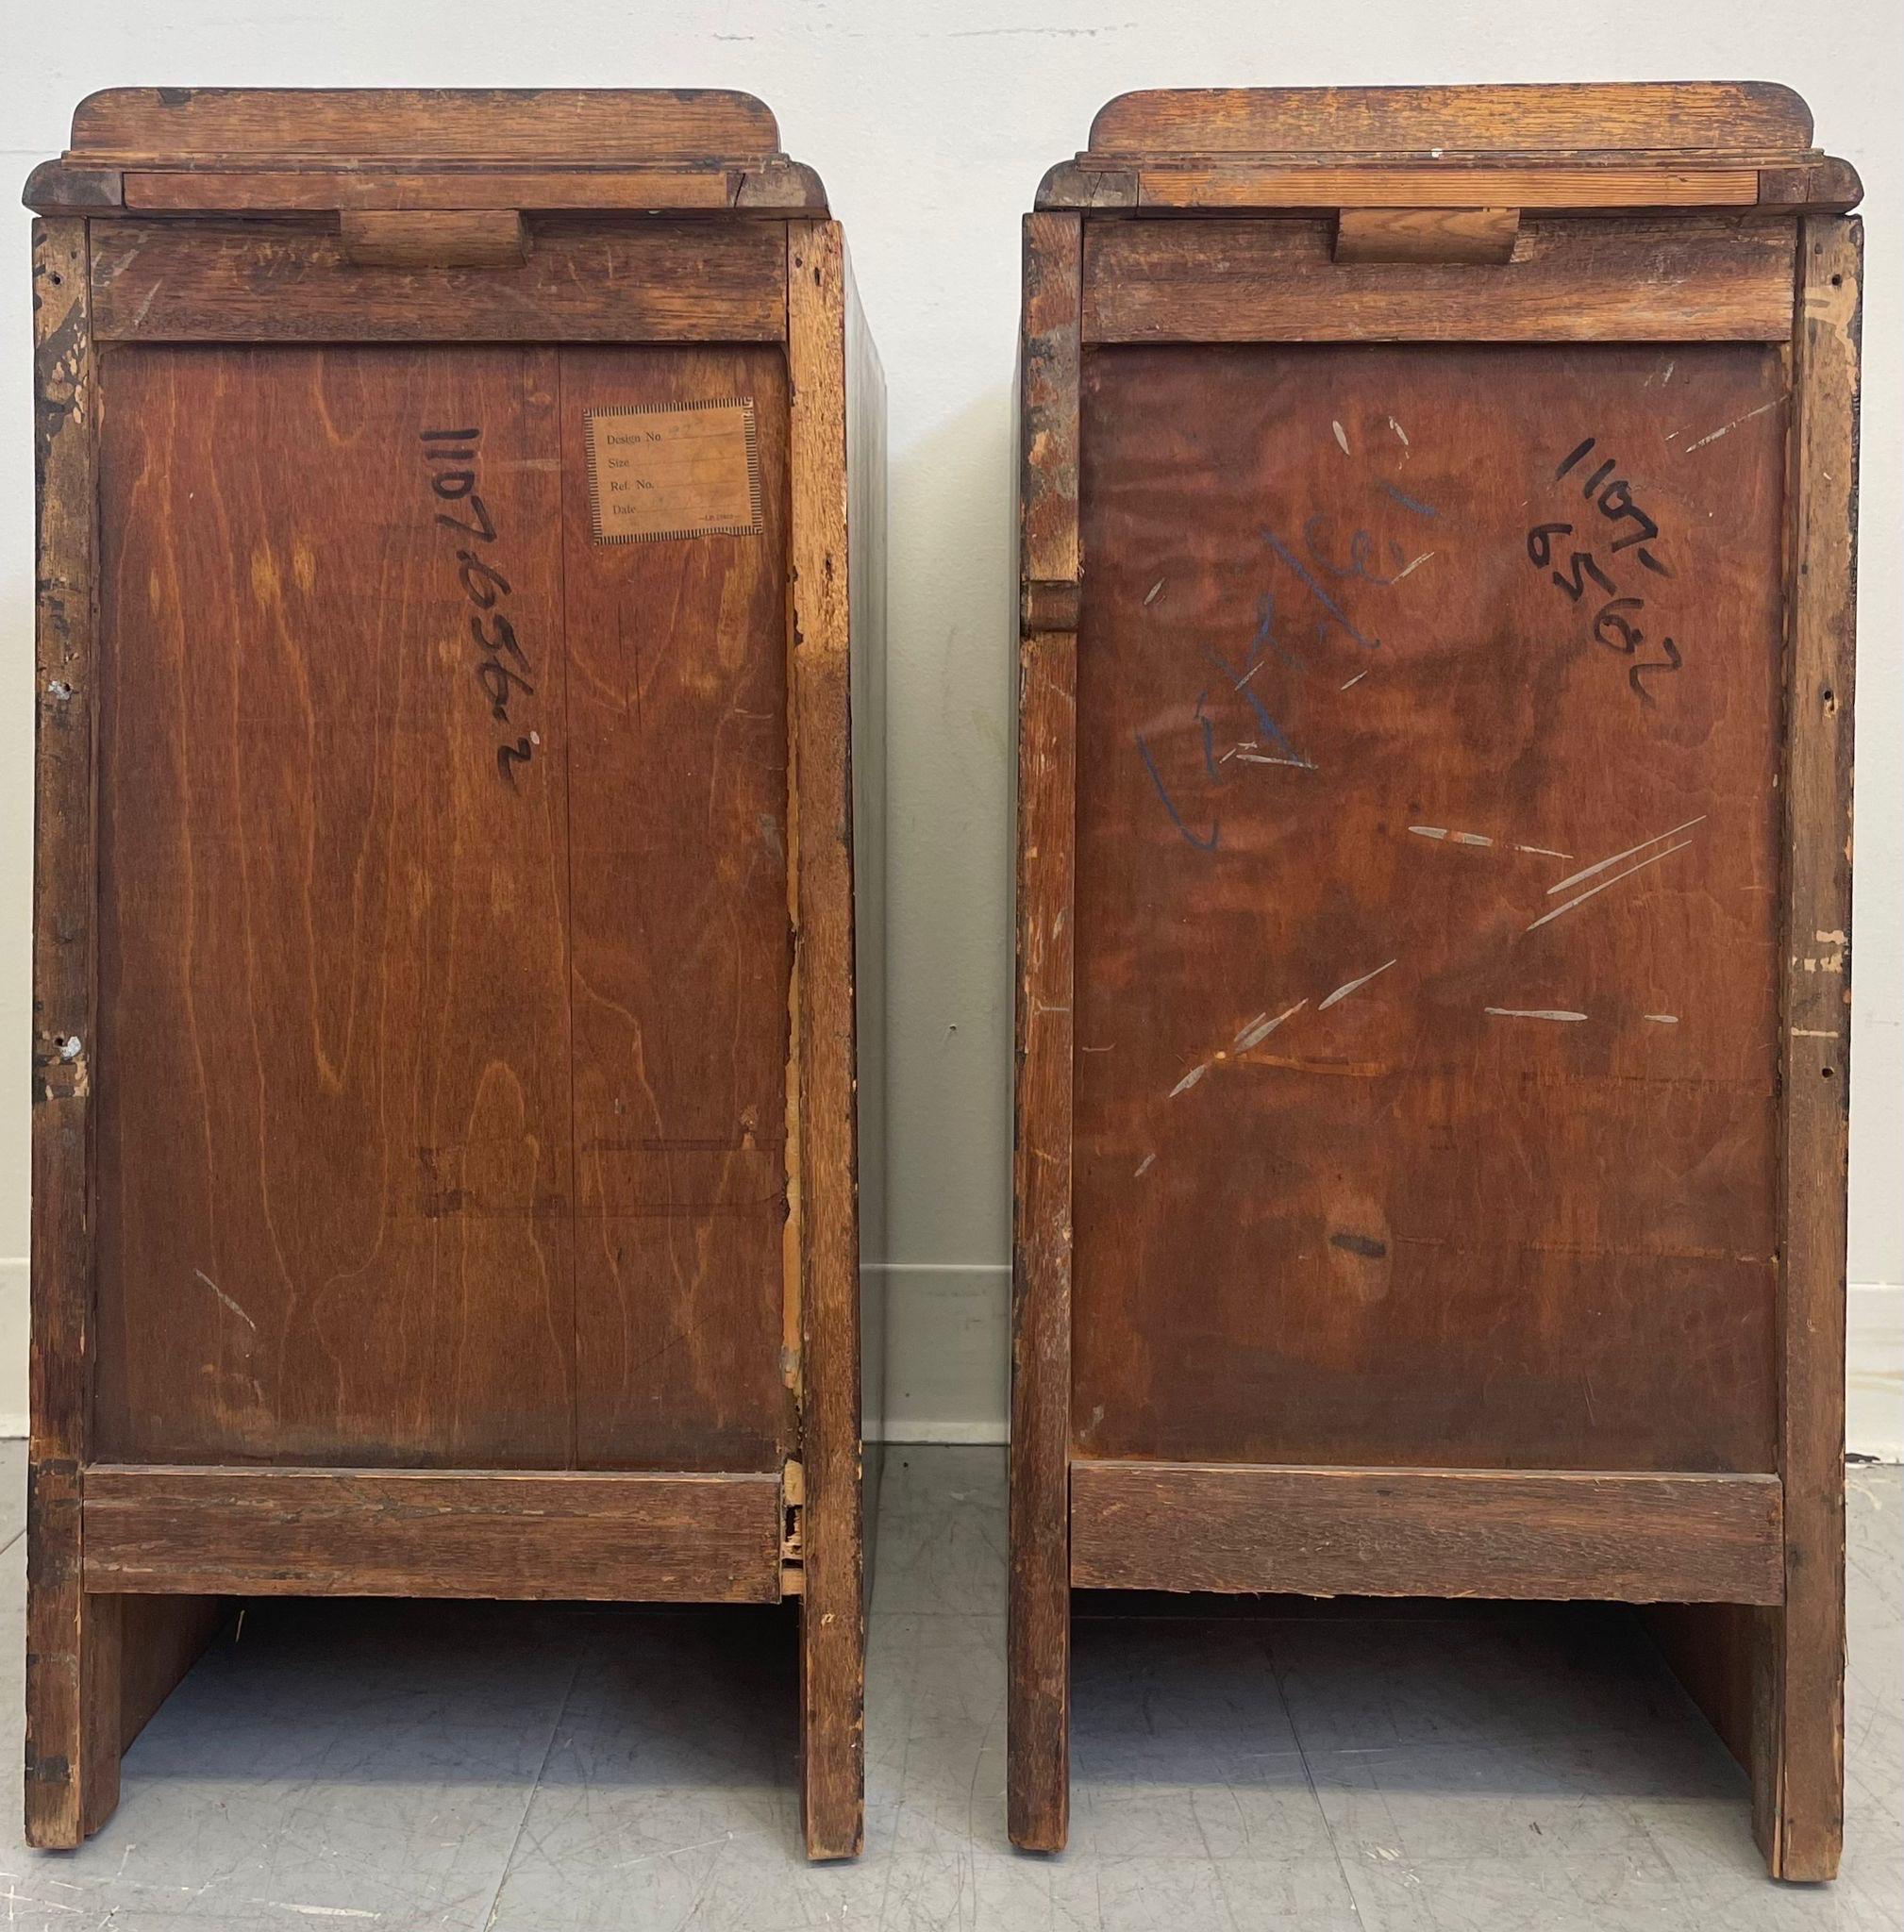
{"x":1427,"y":895}
{"x":433,"y":862}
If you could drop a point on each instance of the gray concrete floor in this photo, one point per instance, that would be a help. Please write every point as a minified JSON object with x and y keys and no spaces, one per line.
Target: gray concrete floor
{"x":520,"y":1768}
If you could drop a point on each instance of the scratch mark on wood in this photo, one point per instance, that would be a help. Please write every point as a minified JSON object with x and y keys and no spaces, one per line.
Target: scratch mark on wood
{"x":1574,"y":878}
{"x":1662,"y":1018}
{"x":1144,"y":1166}
{"x":1341,"y":437}
{"x":1156,"y":591}
{"x":1569,"y":904}
{"x":1531,"y":1013}
{"x":1356,"y":680}
{"x":1726,"y":428}
{"x":1262,"y":1027}
{"x":225,"y":1299}
{"x":1399,"y":431}
{"x":1415,"y":565}
{"x":1342,"y":992}
{"x":1188,"y":1081}
{"x":1543,"y":852}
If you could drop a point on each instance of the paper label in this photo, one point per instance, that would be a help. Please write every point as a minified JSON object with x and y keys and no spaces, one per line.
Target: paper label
{"x":692,"y":470}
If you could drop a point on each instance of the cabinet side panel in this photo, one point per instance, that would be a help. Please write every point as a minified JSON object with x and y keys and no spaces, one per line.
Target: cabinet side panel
{"x":1427,"y":1038}
{"x":677,"y":787}
{"x":334,"y":1155}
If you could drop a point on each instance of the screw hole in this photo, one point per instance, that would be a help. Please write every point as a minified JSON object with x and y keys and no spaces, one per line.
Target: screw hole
{"x":57,"y":280}
{"x":1837,"y":281}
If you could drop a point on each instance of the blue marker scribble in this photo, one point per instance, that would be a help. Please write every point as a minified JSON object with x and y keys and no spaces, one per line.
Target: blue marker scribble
{"x":1264,"y":722}
{"x":1190,"y":837}
{"x":1421,"y":509}
{"x":1209,"y":760}
{"x":1322,"y":597}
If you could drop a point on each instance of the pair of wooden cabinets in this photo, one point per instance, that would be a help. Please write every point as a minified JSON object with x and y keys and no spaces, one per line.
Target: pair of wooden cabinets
{"x":459,"y":515}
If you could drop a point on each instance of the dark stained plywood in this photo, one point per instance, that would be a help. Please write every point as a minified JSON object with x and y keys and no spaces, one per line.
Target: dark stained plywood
{"x":1330,"y":1207}
{"x":334,"y":1158}
{"x":677,"y":738}
{"x":440,"y":1065}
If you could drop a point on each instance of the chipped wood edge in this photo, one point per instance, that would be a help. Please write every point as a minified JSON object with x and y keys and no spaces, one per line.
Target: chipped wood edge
{"x":72,"y":1651}
{"x":1799,"y":1769}
{"x":832,"y":1621}
{"x":1039,"y":1622}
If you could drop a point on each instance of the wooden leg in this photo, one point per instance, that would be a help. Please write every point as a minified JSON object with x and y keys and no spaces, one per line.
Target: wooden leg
{"x":832,"y":1718}
{"x":1798,"y":1778}
{"x":73,"y":1654}
{"x":1038,"y":1670}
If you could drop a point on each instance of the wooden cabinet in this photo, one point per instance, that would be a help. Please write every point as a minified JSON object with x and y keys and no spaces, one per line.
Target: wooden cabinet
{"x":458,"y":514}
{"x":1433,"y":894}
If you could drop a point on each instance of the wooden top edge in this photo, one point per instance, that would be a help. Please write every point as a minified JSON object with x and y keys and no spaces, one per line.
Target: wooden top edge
{"x":1676,"y":116}
{"x":558,"y":125}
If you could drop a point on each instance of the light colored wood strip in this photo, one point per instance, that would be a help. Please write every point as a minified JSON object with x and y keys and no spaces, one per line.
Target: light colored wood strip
{"x":1716,"y":115}
{"x":663,"y":281}
{"x":186,"y":191}
{"x":832,"y":1612}
{"x":1165,"y":186}
{"x":1689,"y":278}
{"x":450,"y":1533}
{"x":1808,"y":1704}
{"x":1415,"y":1532}
{"x":1427,"y":234}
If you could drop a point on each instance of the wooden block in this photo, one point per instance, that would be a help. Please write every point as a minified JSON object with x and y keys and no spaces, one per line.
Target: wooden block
{"x":1483,"y":235}
{"x":1441,"y":1532}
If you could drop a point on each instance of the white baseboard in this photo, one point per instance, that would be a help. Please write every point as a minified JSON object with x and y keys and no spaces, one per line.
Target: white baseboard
{"x":1873,"y":1370}
{"x":947,"y":1351}
{"x":14,"y":1327}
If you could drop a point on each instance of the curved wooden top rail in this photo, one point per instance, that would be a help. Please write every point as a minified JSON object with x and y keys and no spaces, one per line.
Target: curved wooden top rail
{"x":1732,"y":117}
{"x":1614,"y":147}
{"x":152,"y":150}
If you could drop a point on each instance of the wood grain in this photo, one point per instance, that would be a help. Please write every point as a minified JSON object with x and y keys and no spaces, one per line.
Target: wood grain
{"x":1166,"y":185}
{"x":71,"y":1652}
{"x":461,"y":1533}
{"x":204,"y":191}
{"x":1483,"y":235}
{"x":832,"y":1606}
{"x":1692,"y":279}
{"x":553,"y":125}
{"x":1038,"y":1635}
{"x":1407,"y":1532}
{"x":1807,"y":1663}
{"x":466,"y":238}
{"x":677,"y":777}
{"x":1336,"y":726}
{"x":239,"y":281}
{"x":1719,"y":116}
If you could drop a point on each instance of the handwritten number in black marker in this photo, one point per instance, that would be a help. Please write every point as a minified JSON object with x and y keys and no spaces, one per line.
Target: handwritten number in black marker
{"x":1670,"y":662}
{"x":509,"y":756}
{"x":496,"y":679}
{"x":1568,"y":462}
{"x":1611,"y":629}
{"x":482,"y":582}
{"x":1573,"y":584}
{"x":1540,"y":542}
{"x":482,"y":530}
{"x":503,"y":640}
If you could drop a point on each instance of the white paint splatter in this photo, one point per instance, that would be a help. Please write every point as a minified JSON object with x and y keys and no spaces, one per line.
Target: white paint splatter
{"x":1262,"y":1027}
{"x":1531,"y":1013}
{"x":1399,"y":431}
{"x":1662,"y":1018}
{"x":1601,"y":865}
{"x":1810,"y":1033}
{"x":1342,"y":992}
{"x":1341,"y":437}
{"x":1569,"y":904}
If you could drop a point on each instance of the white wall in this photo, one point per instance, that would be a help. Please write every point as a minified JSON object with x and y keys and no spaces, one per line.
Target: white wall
{"x":931,"y":121}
